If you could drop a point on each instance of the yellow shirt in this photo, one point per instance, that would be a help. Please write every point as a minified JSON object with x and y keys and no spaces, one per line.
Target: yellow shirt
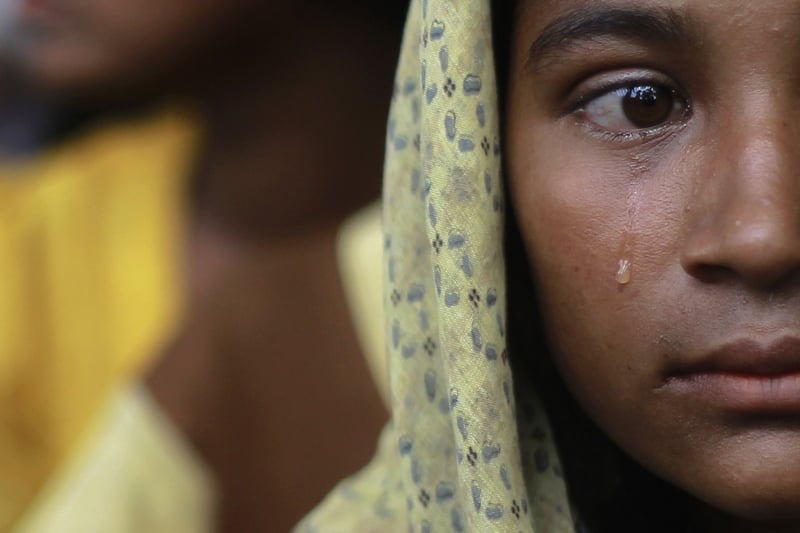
{"x":89,"y":285}
{"x":134,"y":473}
{"x":137,"y":467}
{"x":360,"y":253}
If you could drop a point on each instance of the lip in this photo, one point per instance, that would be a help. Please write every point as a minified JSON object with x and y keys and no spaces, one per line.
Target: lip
{"x":747,"y":375}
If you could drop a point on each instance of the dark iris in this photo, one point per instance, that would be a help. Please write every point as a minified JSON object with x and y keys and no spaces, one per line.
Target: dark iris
{"x":647,"y":106}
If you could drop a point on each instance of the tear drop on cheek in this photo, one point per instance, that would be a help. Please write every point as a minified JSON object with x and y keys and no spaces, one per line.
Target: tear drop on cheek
{"x":624,"y":272}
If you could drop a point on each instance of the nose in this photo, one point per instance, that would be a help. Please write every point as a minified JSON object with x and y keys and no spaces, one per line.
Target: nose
{"x":747,"y":223}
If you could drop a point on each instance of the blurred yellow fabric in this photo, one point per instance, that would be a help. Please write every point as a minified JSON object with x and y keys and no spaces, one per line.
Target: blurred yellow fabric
{"x":135,"y":464}
{"x":135,"y":474}
{"x":89,"y":261}
{"x":360,"y":251}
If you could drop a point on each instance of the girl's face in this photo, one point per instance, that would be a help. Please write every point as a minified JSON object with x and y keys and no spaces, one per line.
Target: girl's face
{"x":654,"y":159}
{"x":85,"y":45}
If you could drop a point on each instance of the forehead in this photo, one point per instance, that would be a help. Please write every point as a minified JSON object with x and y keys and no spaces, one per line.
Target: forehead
{"x":734,"y":11}
{"x":717,"y":26}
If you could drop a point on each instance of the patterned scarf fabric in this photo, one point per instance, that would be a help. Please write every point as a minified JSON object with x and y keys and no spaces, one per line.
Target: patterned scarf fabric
{"x":467,"y":449}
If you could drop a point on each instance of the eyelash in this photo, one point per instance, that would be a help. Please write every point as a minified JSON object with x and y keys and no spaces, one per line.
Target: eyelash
{"x":578,"y":106}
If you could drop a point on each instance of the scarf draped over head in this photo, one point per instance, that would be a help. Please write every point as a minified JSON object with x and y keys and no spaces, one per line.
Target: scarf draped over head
{"x":466,"y":449}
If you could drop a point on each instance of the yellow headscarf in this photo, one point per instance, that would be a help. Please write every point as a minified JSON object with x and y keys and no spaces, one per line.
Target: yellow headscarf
{"x":468,"y":449}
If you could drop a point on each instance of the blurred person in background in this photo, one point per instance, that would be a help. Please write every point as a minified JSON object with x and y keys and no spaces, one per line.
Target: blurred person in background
{"x":76,"y":315}
{"x":27,"y":119}
{"x":197,"y":244}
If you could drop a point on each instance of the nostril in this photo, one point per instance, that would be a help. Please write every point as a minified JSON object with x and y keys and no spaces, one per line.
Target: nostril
{"x":702,"y":254}
{"x":744,"y":221}
{"x":707,"y":273}
{"x":759,"y":255}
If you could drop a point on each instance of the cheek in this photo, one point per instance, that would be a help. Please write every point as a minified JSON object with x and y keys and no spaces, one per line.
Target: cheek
{"x":135,"y":31}
{"x":574,"y":236}
{"x":574,"y":225}
{"x":142,"y":31}
{"x":583,"y":215}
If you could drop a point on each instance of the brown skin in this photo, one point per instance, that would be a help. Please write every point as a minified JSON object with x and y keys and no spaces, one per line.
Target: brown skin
{"x":88,"y":48}
{"x":703,"y":202}
{"x":267,"y":380}
{"x":266,"y":377}
{"x":264,"y":283}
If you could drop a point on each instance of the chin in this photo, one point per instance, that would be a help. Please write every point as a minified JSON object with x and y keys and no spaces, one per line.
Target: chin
{"x":755,"y":478}
{"x":66,"y":68}
{"x":778,"y":502}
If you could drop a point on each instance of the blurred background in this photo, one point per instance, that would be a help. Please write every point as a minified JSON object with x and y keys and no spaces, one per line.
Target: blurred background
{"x":190,"y":329}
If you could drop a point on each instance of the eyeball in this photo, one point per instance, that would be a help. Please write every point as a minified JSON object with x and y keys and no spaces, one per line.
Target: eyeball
{"x":635,"y":107}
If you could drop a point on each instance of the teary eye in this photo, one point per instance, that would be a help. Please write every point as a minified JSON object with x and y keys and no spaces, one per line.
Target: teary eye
{"x":634,"y":107}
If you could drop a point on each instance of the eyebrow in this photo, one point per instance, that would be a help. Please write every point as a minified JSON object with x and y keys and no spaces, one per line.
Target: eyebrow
{"x":596,"y":21}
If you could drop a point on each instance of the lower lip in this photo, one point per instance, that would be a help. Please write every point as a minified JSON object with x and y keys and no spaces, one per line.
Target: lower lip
{"x":746,"y":393}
